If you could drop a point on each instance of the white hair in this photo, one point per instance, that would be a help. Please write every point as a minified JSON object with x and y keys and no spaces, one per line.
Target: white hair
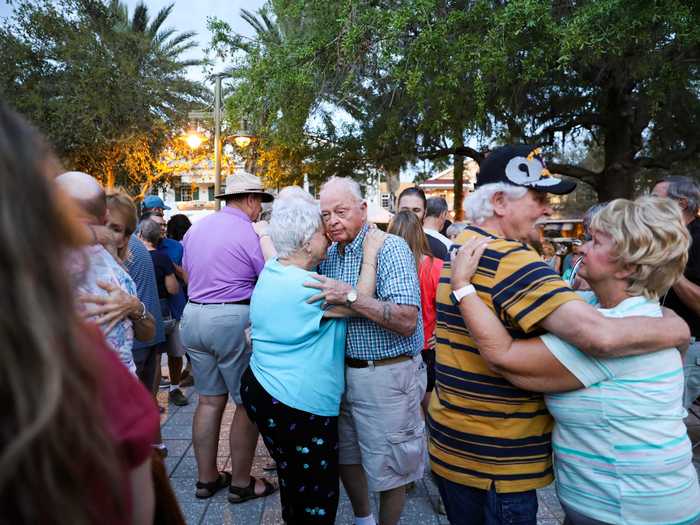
{"x":478,"y":206}
{"x":294,"y":221}
{"x":295,"y":191}
{"x":350,"y":185}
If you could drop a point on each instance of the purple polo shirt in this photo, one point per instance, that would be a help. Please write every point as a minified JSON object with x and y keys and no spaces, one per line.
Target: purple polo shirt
{"x":222,"y":257}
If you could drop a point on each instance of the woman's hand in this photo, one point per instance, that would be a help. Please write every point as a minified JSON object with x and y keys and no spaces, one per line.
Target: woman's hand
{"x":374,"y":240}
{"x":466,"y":260}
{"x":112,"y":308}
{"x":330,"y":290}
{"x":260,"y":228}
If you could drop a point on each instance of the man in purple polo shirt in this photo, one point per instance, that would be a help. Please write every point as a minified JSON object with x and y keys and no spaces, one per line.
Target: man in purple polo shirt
{"x":223,"y":260}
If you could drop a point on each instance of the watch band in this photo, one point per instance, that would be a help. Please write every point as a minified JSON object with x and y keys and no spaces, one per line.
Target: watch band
{"x":457,"y":295}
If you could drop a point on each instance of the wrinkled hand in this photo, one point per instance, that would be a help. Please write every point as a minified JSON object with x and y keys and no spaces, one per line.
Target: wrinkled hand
{"x":466,"y":260}
{"x":374,"y":240}
{"x":260,"y":228}
{"x":104,"y":236}
{"x":331,"y":291}
{"x":111,"y":308}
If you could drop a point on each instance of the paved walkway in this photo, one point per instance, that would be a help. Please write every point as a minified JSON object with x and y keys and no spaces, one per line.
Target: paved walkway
{"x":176,"y":426}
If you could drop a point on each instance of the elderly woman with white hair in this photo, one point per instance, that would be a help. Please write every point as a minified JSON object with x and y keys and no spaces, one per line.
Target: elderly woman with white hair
{"x":293,"y":386}
{"x":622,"y":454}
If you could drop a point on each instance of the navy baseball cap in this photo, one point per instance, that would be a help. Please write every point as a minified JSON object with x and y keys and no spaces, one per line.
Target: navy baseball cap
{"x":521,"y":165}
{"x":153,"y":201}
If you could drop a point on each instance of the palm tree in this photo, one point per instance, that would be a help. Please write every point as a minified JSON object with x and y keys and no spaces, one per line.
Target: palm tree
{"x":149,"y":77}
{"x":158,"y":54}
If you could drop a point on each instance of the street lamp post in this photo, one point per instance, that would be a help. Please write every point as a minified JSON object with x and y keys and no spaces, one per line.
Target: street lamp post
{"x":216,"y":117}
{"x":217,"y":139}
{"x":242,"y":138}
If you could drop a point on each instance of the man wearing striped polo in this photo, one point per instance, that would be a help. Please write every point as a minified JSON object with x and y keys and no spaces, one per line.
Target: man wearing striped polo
{"x":490,"y":442}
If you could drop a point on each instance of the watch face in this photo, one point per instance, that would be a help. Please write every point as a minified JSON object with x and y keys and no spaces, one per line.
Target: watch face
{"x":352,"y":296}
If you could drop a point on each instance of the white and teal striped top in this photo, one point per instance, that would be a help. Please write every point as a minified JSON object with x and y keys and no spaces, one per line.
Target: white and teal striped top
{"x":621,"y":450}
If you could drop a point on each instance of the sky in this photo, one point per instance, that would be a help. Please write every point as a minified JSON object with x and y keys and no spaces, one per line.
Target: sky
{"x":192,"y":16}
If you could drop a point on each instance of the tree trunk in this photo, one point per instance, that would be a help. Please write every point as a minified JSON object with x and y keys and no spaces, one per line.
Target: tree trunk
{"x":393,"y":184}
{"x":458,"y":179}
{"x":622,"y":142}
{"x":615,"y":182}
{"x":109,"y":179}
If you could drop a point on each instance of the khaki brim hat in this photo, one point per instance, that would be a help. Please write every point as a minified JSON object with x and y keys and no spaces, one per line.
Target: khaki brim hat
{"x":242,"y":183}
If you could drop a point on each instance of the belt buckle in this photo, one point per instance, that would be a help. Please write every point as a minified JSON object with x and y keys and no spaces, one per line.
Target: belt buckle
{"x":370,"y":363}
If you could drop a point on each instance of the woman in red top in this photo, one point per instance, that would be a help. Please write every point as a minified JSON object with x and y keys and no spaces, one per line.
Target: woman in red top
{"x":76,"y":429}
{"x":405,"y":224}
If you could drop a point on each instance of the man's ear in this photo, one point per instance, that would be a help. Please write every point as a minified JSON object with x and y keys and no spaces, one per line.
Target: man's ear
{"x":499,"y":202}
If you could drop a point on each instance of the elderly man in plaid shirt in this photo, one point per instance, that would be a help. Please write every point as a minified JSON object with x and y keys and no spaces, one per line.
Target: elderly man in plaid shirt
{"x":381,"y":427}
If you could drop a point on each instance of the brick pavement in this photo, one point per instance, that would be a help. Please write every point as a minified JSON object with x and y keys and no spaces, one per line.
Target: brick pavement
{"x":176,"y":426}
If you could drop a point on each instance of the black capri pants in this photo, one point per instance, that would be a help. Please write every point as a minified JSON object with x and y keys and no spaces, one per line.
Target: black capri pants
{"x":305,"y":447}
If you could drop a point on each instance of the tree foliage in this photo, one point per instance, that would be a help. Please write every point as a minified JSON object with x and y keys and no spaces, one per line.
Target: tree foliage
{"x":107,"y":87}
{"x":352,"y":86}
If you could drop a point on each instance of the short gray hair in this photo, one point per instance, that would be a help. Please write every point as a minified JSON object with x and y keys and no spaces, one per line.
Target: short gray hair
{"x":294,"y":221}
{"x":351,"y":185}
{"x":680,"y":187}
{"x":149,"y":230}
{"x":435,"y":206}
{"x":478,"y":205}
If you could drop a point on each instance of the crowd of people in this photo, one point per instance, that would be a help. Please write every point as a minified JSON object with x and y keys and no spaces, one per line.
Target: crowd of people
{"x":359,"y":355}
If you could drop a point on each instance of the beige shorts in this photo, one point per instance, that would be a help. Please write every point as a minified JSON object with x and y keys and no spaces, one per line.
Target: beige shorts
{"x":214,"y":335}
{"x":381,"y":425}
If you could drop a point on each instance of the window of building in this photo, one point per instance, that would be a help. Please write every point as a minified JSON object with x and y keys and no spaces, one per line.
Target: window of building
{"x":186,"y":193}
{"x":385,"y":200}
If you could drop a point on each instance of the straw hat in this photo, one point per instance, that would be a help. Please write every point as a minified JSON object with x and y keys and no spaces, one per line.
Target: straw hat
{"x":244,"y":182}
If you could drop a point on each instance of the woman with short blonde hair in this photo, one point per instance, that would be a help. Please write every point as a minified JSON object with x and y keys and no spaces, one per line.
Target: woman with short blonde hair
{"x":621,"y":449}
{"x":646,"y":236}
{"x":121,"y":219}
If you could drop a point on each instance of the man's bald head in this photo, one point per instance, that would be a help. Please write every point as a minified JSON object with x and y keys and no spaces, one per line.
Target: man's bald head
{"x":86,"y":191}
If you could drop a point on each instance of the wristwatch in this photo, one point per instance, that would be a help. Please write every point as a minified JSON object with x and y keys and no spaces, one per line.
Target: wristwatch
{"x":457,"y":295}
{"x":350,"y":298}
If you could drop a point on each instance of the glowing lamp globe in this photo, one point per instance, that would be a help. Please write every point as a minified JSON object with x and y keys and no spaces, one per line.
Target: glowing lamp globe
{"x":242,"y":141}
{"x":194,"y":140}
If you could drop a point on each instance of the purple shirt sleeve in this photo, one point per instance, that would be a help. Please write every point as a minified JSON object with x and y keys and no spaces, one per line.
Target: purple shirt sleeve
{"x":256,"y":256}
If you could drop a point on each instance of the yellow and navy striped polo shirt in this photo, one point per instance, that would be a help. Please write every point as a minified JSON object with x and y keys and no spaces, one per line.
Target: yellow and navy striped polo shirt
{"x":484,"y":430}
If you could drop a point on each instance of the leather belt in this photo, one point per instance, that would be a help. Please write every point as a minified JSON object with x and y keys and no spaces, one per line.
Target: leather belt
{"x":361,"y":363}
{"x":242,"y":301}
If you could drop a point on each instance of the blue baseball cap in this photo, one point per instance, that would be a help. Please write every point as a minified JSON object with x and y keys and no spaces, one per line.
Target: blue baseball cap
{"x":153,"y":201}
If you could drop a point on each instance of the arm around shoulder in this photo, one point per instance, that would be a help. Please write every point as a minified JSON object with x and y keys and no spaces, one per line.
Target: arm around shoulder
{"x":584,"y":327}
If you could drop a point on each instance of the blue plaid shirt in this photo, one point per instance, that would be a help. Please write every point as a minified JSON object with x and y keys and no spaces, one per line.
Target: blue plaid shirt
{"x":397,"y":282}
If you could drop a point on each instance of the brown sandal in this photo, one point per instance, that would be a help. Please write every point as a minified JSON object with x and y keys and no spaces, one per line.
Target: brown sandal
{"x":241,"y":494}
{"x":208,"y":489}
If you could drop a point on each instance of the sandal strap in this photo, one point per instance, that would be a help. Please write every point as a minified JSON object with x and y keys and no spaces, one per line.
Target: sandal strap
{"x":218,"y":482}
{"x":243,"y":492}
{"x":249,"y":491}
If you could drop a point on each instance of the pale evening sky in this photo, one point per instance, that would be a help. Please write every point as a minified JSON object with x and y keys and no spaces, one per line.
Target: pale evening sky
{"x":192,"y":16}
